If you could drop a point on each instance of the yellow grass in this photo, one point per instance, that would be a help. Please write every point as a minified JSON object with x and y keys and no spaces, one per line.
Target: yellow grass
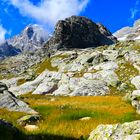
{"x":21,"y":81}
{"x":61,"y":117}
{"x":10,"y":116}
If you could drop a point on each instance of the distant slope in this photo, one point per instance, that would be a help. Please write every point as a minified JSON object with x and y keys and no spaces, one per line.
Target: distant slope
{"x":129,"y":33}
{"x":8,"y":50}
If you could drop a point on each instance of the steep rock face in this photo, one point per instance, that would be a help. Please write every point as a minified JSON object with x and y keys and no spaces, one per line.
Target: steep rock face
{"x":32,"y":38}
{"x":8,"y":50}
{"x":129,"y":33}
{"x":79,"y":32}
{"x":10,"y":102}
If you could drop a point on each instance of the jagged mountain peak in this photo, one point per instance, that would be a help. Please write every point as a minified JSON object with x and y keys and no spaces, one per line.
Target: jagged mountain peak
{"x":31,"y":38}
{"x":33,"y":30}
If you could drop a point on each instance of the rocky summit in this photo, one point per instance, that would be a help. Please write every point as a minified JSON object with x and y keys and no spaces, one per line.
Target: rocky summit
{"x":79,"y":32}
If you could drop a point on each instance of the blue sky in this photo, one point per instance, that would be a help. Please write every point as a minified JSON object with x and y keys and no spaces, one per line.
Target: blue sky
{"x":16,"y":14}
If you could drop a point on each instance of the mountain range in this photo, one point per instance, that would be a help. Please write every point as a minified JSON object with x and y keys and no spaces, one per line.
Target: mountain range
{"x":33,"y":37}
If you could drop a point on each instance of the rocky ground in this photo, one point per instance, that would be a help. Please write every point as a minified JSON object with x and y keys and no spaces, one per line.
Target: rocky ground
{"x":67,"y":67}
{"x":126,"y":131}
{"x":107,"y":70}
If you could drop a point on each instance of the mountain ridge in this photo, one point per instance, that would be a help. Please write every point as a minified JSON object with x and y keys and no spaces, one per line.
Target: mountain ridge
{"x":129,"y":33}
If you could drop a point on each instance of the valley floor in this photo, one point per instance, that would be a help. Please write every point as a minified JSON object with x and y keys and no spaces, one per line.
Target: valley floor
{"x":66,"y":117}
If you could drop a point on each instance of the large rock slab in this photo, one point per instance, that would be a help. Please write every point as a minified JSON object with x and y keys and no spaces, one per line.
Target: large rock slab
{"x":11,"y":82}
{"x":42,"y":84}
{"x":126,"y":131}
{"x":91,"y":88}
{"x":12,"y":103}
{"x":136,"y":82}
{"x":72,"y":86}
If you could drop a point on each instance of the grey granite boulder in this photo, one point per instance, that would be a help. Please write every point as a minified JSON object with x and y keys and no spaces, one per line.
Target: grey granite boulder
{"x":126,"y":131}
{"x":29,"y":119}
{"x":91,"y":88}
{"x":136,"y":82}
{"x":12,"y":103}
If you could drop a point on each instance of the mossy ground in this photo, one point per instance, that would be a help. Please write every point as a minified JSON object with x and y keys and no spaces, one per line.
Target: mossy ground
{"x":60,"y":116}
{"x":46,"y":64}
{"x":126,"y":71}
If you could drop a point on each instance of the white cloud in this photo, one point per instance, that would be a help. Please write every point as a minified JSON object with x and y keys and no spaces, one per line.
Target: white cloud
{"x":3,"y":32}
{"x":135,"y":10}
{"x":50,"y":11}
{"x":133,"y":13}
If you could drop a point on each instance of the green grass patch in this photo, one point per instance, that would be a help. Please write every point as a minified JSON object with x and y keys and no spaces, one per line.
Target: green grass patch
{"x":80,"y":113}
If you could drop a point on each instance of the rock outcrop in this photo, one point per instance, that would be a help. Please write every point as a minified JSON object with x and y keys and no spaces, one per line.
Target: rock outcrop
{"x":126,"y":131}
{"x":12,"y":103}
{"x":79,"y":32}
{"x":28,"y":120}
